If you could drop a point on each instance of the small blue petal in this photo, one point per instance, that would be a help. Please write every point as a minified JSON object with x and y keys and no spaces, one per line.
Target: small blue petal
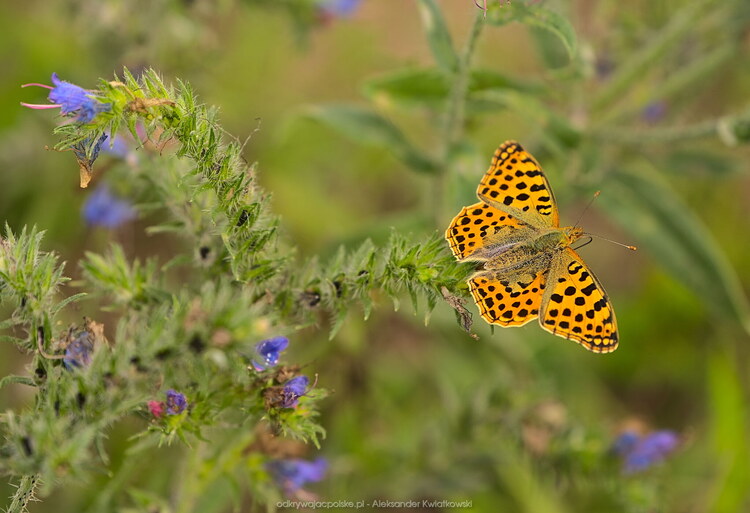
{"x":104,"y":209}
{"x":78,"y":352}
{"x":293,"y":474}
{"x":269,"y":352}
{"x":297,"y":386}
{"x":118,"y":148}
{"x":81,"y":148}
{"x":341,"y":8}
{"x":293,"y":390}
{"x":654,"y":111}
{"x":625,"y":442}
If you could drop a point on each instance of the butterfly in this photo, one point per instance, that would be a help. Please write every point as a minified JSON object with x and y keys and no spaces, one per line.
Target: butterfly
{"x":527,"y":267}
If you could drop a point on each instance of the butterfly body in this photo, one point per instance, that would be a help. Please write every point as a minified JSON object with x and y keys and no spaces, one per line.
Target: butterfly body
{"x":527,"y":268}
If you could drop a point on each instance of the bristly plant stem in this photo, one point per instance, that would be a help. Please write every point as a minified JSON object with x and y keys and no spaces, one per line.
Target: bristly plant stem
{"x":24,"y":494}
{"x":731,"y":130}
{"x":455,"y":115}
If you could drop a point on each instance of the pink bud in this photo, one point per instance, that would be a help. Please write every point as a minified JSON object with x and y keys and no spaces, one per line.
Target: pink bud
{"x":156,"y":408}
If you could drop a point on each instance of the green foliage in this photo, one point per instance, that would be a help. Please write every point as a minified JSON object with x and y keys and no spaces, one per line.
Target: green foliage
{"x":510,"y":423}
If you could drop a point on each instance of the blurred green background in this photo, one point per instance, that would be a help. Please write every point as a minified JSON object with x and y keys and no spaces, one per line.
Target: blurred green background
{"x":519,"y":420}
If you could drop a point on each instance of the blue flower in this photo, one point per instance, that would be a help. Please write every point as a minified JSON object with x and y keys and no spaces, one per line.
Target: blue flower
{"x":269,"y":351}
{"x":176,"y":402}
{"x":292,"y":391}
{"x":625,"y":442}
{"x":71,"y":100}
{"x":339,"y":8}
{"x":293,"y":474}
{"x":654,"y":111}
{"x":102,"y":208}
{"x":78,"y":352}
{"x":118,"y":148}
{"x":641,"y":452}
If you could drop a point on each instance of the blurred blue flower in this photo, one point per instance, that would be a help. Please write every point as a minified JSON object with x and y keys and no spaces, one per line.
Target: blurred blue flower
{"x":70,"y":99}
{"x":78,"y":352}
{"x":293,"y":474}
{"x":119,"y":148}
{"x":102,"y":208}
{"x":293,"y":390}
{"x":176,"y":402}
{"x":639,"y":452}
{"x":654,"y":111}
{"x":625,"y":442}
{"x":339,"y":8}
{"x":269,"y":351}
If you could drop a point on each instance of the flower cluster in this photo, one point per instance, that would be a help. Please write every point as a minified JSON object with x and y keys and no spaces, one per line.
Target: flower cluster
{"x":639,"y":452}
{"x":290,"y":389}
{"x":175,"y":404}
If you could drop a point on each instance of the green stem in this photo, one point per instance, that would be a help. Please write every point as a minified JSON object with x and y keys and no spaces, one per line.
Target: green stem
{"x":19,"y":380}
{"x":455,"y":115}
{"x":456,"y":106}
{"x":726,"y":128}
{"x":24,"y":494}
{"x":633,"y":69}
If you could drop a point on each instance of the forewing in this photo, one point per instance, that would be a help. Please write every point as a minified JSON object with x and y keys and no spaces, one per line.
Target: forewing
{"x":576,"y":307}
{"x":469,"y":229}
{"x":515,"y":184}
{"x":508,"y":302}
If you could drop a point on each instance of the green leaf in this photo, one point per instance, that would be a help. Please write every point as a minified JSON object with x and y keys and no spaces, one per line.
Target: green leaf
{"x":647,"y":206}
{"x":430,"y":88}
{"x":555,"y":126}
{"x":640,"y":62}
{"x":366,"y":127}
{"x":537,"y":16}
{"x":438,"y":36}
{"x":728,"y":428}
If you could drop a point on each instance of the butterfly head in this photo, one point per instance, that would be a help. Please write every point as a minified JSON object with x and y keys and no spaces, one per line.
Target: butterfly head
{"x":573,"y":233}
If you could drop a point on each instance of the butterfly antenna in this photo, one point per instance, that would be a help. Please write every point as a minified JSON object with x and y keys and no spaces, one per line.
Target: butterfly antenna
{"x":631,"y":248}
{"x":596,"y":195}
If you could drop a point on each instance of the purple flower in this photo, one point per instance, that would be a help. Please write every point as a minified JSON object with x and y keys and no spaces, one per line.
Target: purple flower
{"x":268,"y":352}
{"x":293,"y":474}
{"x":641,"y":452}
{"x":654,"y":111}
{"x":71,"y":99}
{"x":293,"y":390}
{"x":118,"y":148}
{"x":176,"y":402}
{"x":338,"y":8}
{"x":78,"y":352}
{"x":102,"y":208}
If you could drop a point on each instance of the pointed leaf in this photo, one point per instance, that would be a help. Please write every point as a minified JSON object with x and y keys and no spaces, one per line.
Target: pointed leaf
{"x":646,"y":205}
{"x":438,"y":36}
{"x":537,"y":16}
{"x":367,"y":127}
